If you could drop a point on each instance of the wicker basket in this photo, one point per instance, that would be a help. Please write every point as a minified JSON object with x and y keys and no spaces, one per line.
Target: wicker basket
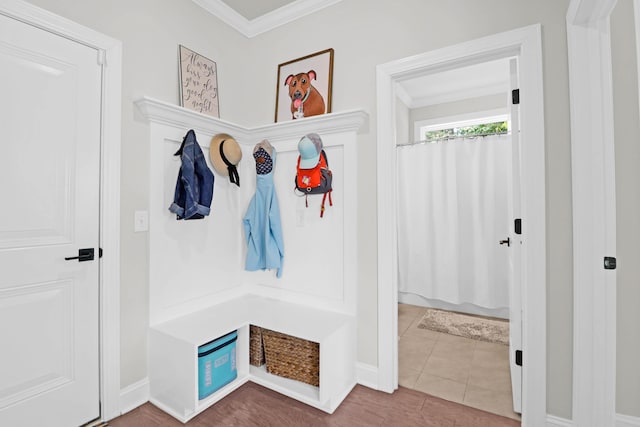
{"x":256,"y":349}
{"x":292,"y":357}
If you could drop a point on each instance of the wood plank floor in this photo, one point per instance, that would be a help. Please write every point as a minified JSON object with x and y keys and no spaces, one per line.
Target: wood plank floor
{"x":253,"y":405}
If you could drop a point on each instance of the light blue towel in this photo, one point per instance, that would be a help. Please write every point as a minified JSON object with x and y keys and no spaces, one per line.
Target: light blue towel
{"x":262,"y":226}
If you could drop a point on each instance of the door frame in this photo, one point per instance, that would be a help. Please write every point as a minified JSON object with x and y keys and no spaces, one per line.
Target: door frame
{"x":594,"y":211}
{"x":526,"y":44}
{"x":109,"y":52}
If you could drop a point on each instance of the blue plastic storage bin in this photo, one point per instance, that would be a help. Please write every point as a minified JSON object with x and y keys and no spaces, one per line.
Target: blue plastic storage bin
{"x":216,"y":364}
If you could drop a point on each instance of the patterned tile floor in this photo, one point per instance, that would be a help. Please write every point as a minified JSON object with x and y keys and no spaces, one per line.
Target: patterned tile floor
{"x":474,"y":373}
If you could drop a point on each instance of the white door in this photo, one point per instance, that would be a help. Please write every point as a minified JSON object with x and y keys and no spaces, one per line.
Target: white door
{"x":515,"y":237}
{"x":50,"y":96}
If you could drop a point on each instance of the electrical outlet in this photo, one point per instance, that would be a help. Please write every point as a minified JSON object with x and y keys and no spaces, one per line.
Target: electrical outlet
{"x":141,"y":221}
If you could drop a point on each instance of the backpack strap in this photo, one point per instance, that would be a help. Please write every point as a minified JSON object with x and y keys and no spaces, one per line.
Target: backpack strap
{"x":326,"y":161}
{"x":324,"y":197}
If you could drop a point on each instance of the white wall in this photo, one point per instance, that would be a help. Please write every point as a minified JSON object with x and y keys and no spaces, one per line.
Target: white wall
{"x":362,"y":36}
{"x":627,"y":150}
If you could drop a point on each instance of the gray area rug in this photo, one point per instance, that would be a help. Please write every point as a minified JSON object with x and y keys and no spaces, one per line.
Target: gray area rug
{"x":466,"y":325}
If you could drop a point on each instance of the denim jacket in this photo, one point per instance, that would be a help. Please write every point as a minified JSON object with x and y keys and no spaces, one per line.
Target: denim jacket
{"x":194,"y":187}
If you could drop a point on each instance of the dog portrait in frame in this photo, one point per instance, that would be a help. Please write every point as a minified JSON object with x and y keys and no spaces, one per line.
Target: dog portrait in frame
{"x":304,"y":86}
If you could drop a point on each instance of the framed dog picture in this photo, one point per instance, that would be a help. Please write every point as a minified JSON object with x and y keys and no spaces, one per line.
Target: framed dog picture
{"x":304,"y":86}
{"x":198,"y":83}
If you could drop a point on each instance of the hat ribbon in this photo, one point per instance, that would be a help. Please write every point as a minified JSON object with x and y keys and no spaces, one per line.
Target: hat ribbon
{"x":233,"y":171}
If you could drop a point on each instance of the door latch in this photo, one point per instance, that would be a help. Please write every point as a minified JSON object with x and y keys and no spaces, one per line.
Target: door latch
{"x":609,"y":263}
{"x":506,"y":242}
{"x":83,"y":255}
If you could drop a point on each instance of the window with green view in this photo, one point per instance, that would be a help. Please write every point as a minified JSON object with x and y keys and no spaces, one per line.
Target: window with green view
{"x":476,"y":130}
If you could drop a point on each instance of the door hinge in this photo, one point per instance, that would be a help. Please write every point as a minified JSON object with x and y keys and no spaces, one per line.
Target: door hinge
{"x":519,"y":357}
{"x":517,"y":226}
{"x":609,"y":263}
{"x":515,"y":96}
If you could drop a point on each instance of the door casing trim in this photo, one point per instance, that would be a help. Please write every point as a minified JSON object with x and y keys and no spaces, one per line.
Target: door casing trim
{"x":526,"y":44}
{"x":594,"y":211}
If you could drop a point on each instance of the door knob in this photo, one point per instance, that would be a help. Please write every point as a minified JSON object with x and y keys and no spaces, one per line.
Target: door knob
{"x":83,"y":255}
{"x":506,"y":242}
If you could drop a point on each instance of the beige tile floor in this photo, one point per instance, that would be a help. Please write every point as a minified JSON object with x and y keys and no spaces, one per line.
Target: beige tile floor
{"x":474,"y":373}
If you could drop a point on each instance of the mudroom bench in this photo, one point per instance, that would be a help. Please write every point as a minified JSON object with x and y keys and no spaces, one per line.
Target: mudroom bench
{"x":173,"y":349}
{"x":199,"y":289}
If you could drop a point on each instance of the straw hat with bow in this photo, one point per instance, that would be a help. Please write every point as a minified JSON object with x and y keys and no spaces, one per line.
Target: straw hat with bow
{"x":225,"y":154}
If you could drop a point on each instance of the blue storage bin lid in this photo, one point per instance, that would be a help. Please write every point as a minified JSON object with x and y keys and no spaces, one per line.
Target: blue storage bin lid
{"x":218,"y":343}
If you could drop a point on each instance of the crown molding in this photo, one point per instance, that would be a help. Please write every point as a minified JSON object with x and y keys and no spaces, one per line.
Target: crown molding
{"x":266,"y":22}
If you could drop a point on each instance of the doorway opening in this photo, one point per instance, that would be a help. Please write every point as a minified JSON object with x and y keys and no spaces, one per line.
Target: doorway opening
{"x":525,"y":45}
{"x":454,"y":210}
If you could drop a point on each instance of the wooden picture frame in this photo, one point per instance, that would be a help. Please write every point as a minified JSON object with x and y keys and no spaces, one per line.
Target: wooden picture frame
{"x":304,"y":86}
{"x":198,"y":82}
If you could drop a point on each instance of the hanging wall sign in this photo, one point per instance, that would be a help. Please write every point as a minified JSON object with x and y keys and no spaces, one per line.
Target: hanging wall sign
{"x":198,"y":83}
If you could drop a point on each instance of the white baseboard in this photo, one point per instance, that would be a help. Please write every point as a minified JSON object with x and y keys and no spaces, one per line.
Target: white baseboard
{"x":367,"y":375}
{"x":553,"y":421}
{"x":137,"y":393}
{"x":419,"y":300}
{"x":627,"y":421}
{"x":134,"y":395}
{"x":621,"y":421}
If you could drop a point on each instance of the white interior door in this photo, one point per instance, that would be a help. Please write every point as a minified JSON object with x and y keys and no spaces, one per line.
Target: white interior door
{"x":50,"y":96}
{"x":515,"y":279}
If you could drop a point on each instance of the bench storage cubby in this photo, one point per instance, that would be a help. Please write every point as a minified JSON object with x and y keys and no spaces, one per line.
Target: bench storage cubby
{"x":174,"y":345}
{"x":216,"y":364}
{"x":256,"y":348}
{"x":292,"y":357}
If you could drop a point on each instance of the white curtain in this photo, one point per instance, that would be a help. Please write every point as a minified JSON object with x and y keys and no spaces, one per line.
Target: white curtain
{"x":454,"y":203}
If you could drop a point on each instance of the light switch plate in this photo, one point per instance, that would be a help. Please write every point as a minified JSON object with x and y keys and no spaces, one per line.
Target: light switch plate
{"x":141,"y":221}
